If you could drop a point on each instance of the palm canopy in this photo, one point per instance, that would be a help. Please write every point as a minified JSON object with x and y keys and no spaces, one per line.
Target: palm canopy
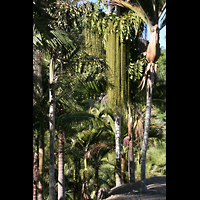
{"x":149,"y":10}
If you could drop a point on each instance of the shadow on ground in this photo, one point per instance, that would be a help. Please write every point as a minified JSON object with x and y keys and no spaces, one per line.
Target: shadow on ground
{"x":156,"y":189}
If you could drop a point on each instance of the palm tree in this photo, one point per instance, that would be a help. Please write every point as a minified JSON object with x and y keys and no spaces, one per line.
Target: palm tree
{"x":35,"y":170}
{"x":131,"y":167}
{"x":61,"y":177}
{"x":50,"y":38}
{"x":150,"y":12}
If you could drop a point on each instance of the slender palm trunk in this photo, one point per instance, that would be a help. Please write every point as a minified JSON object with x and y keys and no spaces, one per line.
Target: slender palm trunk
{"x":41,"y":164}
{"x":35,"y":170}
{"x":61,"y":177}
{"x":117,"y":124}
{"x":123,"y":163}
{"x":52,"y":131}
{"x":52,"y":108}
{"x":97,"y":173}
{"x":150,"y":82}
{"x":131,"y":167}
{"x":37,"y":67}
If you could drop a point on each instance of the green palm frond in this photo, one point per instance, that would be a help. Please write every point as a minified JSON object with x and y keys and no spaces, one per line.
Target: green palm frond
{"x":37,"y":38}
{"x":135,"y":8}
{"x":66,"y":118}
{"x":148,"y":10}
{"x":60,"y":39}
{"x":153,"y":9}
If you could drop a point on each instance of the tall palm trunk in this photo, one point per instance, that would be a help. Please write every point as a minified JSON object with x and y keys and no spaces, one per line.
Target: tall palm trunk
{"x":131,"y":167}
{"x":52,"y":131}
{"x":117,"y":124}
{"x":61,"y":177}
{"x":123,"y":163}
{"x":37,"y":67}
{"x":97,"y":173}
{"x":41,"y":169}
{"x":52,"y":108}
{"x":35,"y":170}
{"x":150,"y":81}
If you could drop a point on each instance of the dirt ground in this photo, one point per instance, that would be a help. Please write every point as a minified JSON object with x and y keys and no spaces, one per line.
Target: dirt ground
{"x":156,"y":187}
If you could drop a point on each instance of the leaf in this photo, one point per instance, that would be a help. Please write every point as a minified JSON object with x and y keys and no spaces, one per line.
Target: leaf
{"x":135,"y":8}
{"x":66,"y":118}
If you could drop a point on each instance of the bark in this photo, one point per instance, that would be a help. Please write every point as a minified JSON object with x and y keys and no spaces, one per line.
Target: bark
{"x":52,"y":80}
{"x":84,"y":188}
{"x":37,"y":67}
{"x":61,"y":177}
{"x":150,"y":82}
{"x":97,"y":173}
{"x":123,"y":166}
{"x":35,"y":170}
{"x":131,"y":167}
{"x":117,"y":124}
{"x":41,"y":164}
{"x":52,"y":131}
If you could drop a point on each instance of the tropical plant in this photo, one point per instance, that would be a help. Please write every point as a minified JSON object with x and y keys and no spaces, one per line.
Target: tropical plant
{"x":150,"y":12}
{"x":84,"y":139}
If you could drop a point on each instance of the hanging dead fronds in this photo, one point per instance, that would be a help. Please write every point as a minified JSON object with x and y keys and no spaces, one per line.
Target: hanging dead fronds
{"x":96,"y":148}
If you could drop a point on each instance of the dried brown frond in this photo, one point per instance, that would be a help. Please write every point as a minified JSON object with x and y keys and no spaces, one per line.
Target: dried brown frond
{"x":96,"y":148}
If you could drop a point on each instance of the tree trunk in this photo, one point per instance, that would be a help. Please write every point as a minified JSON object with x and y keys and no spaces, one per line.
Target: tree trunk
{"x":123,"y":163}
{"x":35,"y":170}
{"x":150,"y":81}
{"x":52,"y":131}
{"x":117,"y":124}
{"x":61,"y":177}
{"x":41,"y":164}
{"x":131,"y":167}
{"x":97,"y":173}
{"x":37,"y":66}
{"x":52,"y":108}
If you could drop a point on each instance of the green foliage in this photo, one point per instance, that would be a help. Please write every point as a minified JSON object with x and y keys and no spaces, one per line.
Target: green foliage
{"x":136,"y":68}
{"x":124,"y":25}
{"x":90,"y":131}
{"x":156,"y":159}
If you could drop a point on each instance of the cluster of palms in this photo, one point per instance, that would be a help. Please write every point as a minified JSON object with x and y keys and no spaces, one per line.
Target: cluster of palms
{"x":61,"y":100}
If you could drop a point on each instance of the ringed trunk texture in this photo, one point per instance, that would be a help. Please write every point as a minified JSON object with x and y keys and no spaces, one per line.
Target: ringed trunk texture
{"x":41,"y":164}
{"x":131,"y":167}
{"x":35,"y":170}
{"x":52,"y":132}
{"x":146,"y":130}
{"x":61,"y":177}
{"x":117,"y":124}
{"x":123,"y":164}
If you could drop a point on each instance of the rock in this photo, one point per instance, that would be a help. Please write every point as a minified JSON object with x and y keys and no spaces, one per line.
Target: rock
{"x":102,"y":193}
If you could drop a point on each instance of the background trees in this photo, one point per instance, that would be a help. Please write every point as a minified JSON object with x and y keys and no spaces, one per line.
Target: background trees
{"x":71,"y":34}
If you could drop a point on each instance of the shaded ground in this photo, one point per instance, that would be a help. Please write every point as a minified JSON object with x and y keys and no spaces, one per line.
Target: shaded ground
{"x":156,"y":187}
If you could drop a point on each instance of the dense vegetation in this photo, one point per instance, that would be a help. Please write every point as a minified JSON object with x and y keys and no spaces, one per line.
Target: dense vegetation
{"x":86,"y":65}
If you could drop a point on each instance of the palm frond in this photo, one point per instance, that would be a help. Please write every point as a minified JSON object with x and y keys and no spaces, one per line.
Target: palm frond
{"x":66,"y":118}
{"x":37,"y":38}
{"x":135,"y":8}
{"x":162,"y":9}
{"x":163,"y":22}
